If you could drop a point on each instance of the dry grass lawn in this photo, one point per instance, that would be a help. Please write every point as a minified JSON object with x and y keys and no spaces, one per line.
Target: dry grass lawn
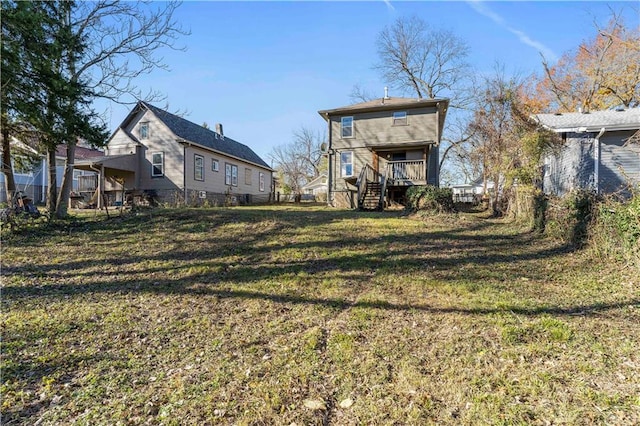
{"x":286,"y":315}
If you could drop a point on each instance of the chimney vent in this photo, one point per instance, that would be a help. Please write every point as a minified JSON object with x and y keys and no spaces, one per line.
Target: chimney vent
{"x":386,"y":92}
{"x":219,"y":129}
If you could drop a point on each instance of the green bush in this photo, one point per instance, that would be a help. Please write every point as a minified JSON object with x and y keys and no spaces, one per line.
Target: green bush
{"x":430,"y":198}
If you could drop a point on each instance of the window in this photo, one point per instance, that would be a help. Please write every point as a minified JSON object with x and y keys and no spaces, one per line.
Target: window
{"x":400,"y":118}
{"x":346,"y":164}
{"x":247,"y":176}
{"x":144,"y":130}
{"x":215,"y":165}
{"x":231,"y":174}
{"x":347,"y":127}
{"x":157,"y":164}
{"x":198,"y":167}
{"x":261,"y":183}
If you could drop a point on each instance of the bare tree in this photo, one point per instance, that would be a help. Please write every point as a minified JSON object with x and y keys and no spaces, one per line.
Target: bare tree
{"x":301,"y":160}
{"x":360,"y":94}
{"x":429,"y":63}
{"x":415,"y":58}
{"x":123,"y":41}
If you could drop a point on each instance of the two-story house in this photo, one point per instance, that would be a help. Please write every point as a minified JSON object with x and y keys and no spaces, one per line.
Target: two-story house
{"x":161,"y":155}
{"x":377,"y":149}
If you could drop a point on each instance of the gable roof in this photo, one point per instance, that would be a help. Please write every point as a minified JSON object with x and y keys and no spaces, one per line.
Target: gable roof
{"x":385,"y":104}
{"x":611,"y":120}
{"x":195,"y":134}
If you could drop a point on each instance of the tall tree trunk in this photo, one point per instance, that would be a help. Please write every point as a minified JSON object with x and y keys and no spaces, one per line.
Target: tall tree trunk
{"x":67,"y":181}
{"x":9,"y":180}
{"x":52,"y":196}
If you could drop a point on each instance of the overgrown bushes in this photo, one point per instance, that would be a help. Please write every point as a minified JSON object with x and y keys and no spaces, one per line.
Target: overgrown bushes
{"x":430,"y":198}
{"x":609,"y":226}
{"x":616,"y":230}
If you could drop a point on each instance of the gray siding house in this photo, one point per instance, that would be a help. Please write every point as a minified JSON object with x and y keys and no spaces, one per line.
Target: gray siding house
{"x":377,"y":149}
{"x":154,"y":153}
{"x":598,"y":151}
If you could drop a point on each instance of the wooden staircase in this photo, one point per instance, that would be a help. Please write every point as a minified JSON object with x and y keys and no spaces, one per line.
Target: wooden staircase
{"x":372,"y":199}
{"x":371,"y":189}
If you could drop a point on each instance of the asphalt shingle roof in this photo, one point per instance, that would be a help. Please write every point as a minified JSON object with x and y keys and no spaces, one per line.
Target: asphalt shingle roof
{"x":628,"y":118}
{"x":194,"y":133}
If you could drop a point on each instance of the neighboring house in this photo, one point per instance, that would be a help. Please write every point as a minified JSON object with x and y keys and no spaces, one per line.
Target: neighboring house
{"x":471,"y":192}
{"x":33,"y":180}
{"x":597,"y":153}
{"x":316,"y":187}
{"x":156,"y":154}
{"x":377,"y":149}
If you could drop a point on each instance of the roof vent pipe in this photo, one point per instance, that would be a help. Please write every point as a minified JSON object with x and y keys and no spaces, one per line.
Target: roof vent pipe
{"x":386,"y":92}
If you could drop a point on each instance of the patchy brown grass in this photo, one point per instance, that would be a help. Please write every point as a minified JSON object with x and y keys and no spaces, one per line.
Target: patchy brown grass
{"x":311,"y":316}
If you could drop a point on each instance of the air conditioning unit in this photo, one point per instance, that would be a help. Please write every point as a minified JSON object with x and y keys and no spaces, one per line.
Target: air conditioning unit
{"x":202,"y":194}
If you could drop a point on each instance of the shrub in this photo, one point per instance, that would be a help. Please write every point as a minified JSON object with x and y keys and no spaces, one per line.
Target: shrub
{"x":616,"y":230}
{"x":430,"y":198}
{"x":569,"y":217}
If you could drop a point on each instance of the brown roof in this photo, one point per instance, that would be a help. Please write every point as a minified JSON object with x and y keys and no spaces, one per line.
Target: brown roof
{"x":81,"y":152}
{"x":382,"y":104}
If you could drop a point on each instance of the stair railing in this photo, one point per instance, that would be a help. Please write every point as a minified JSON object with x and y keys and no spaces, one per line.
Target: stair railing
{"x":367,"y":174}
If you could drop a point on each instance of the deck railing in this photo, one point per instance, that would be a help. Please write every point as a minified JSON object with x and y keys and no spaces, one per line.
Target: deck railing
{"x":403,"y":171}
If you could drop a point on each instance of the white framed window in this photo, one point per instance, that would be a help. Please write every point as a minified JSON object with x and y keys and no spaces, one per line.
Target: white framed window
{"x":346,"y":127}
{"x":400,"y":118}
{"x":215,"y":165}
{"x":247,"y":176}
{"x":144,"y":130}
{"x":231,"y":174}
{"x":261,"y":181}
{"x":346,"y":164}
{"x":157,"y":164}
{"x":198,"y":167}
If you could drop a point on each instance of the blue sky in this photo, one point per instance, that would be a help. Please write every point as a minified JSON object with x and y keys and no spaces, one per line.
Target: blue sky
{"x":263,"y":69}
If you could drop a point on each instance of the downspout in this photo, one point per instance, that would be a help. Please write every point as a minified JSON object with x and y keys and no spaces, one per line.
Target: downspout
{"x":596,"y":160}
{"x":184,"y":172}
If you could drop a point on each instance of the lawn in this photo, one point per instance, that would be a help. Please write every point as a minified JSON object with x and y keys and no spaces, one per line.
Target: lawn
{"x":287,"y":315}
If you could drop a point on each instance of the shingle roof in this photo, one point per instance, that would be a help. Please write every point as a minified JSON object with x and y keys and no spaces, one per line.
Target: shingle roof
{"x":194,"y":133}
{"x":592,"y":121}
{"x":81,"y":152}
{"x":382,"y":104}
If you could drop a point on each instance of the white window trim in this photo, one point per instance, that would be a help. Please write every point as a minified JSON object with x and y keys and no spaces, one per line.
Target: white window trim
{"x":342,"y":169}
{"x":342,"y":128}
{"x":215,"y":165}
{"x":142,"y":124}
{"x":154,"y":164}
{"x":197,"y":157}
{"x":261,"y":181}
{"x":405,"y":119}
{"x":230,"y":178}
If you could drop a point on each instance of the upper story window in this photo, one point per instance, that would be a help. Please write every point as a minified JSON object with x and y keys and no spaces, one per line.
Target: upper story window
{"x":346,"y":126}
{"x":215,"y":165}
{"x":346,"y":164}
{"x":144,"y":130}
{"x":400,"y":118}
{"x":157,"y":164}
{"x":198,"y":167}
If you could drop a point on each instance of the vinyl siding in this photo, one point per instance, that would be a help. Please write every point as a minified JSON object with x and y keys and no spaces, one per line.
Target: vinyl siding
{"x":619,"y":164}
{"x":571,"y":167}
